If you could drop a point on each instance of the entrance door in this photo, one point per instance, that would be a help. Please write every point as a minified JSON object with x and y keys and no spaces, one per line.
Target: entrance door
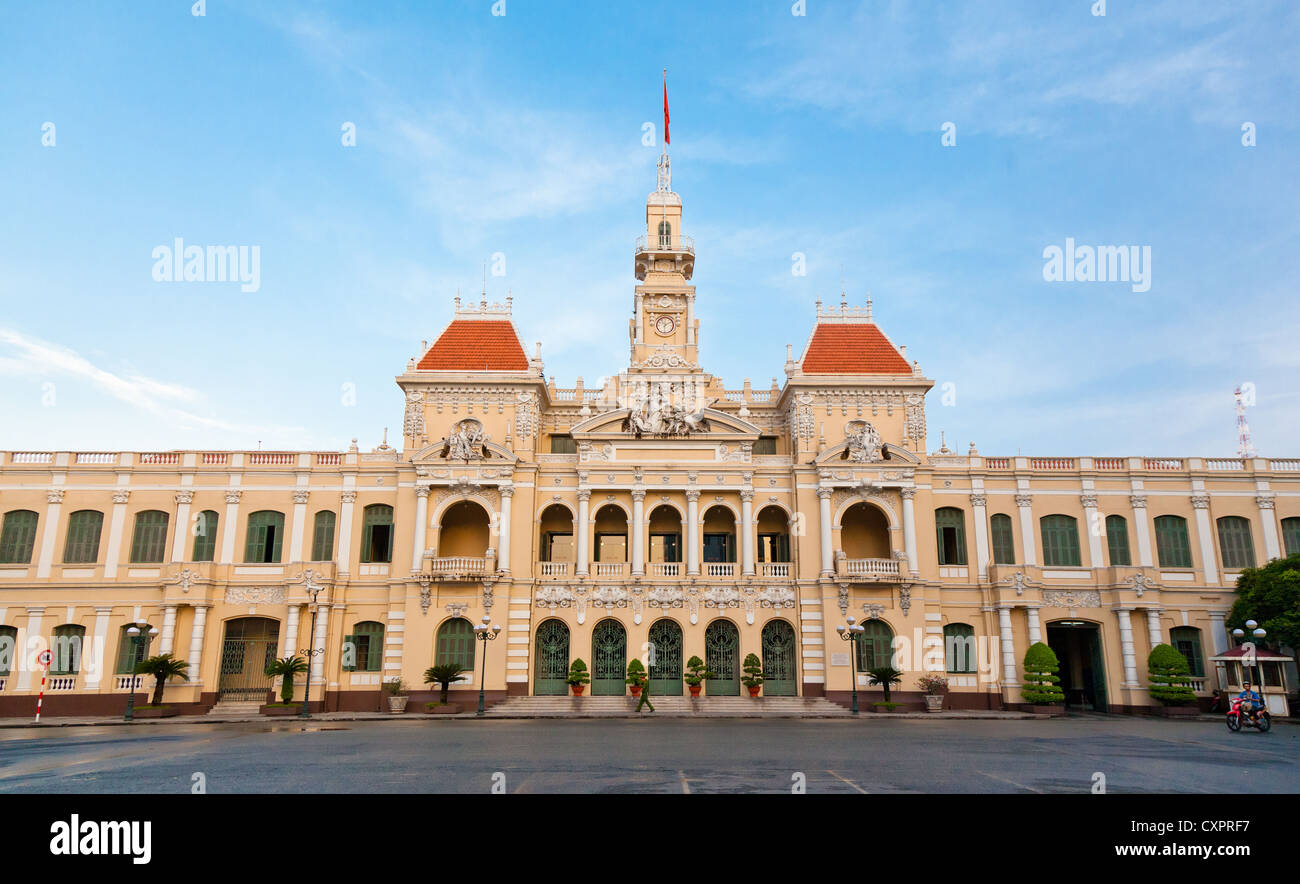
{"x":551,"y":666}
{"x":778,"y":659}
{"x":1077,"y":645}
{"x":249,"y":646}
{"x":722,"y":657}
{"x":609,"y":659}
{"x":666,"y":673}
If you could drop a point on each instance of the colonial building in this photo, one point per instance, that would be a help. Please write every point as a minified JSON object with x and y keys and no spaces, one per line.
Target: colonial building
{"x":661,"y":507}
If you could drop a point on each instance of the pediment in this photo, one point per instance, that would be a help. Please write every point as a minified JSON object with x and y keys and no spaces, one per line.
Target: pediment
{"x":438,"y":452}
{"x":614,"y":425}
{"x":890,"y":454}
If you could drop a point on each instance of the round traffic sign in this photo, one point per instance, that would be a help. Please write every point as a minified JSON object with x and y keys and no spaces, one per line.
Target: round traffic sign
{"x":45,"y":658}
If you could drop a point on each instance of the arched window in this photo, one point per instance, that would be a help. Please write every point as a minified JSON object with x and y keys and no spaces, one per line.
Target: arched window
{"x":363,"y":650}
{"x":875,"y":646}
{"x":1291,"y":535}
{"x":1187,"y":641}
{"x":665,"y":235}
{"x":66,"y":649}
{"x":1117,"y":541}
{"x":949,"y":523}
{"x":130,"y":653}
{"x":1004,"y":541}
{"x":1060,"y":540}
{"x":82,"y":544}
{"x":456,"y":643}
{"x":1172,"y":547}
{"x":17,"y":537}
{"x":322,"y":537}
{"x":377,"y":533}
{"x":1235,"y":545}
{"x":8,"y":648}
{"x":149,"y":540}
{"x":205,"y":536}
{"x":265,"y":537}
{"x":959,"y":647}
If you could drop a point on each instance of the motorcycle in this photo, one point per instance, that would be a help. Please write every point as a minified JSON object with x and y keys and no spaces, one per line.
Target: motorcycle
{"x":1237,"y":718}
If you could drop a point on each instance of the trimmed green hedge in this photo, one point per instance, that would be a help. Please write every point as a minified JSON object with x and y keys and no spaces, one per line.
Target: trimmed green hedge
{"x":1168,"y":672}
{"x":1042,"y":684}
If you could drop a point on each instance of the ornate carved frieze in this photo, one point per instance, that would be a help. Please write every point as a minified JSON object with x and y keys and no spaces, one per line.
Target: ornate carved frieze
{"x":413,"y":424}
{"x":255,"y":595}
{"x":553,"y":597}
{"x":1072,"y":598}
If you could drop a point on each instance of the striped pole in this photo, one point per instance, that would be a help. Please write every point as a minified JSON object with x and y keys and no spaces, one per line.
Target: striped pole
{"x":41,"y":696}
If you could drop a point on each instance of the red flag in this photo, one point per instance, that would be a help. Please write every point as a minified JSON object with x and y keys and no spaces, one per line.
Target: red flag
{"x":667,"y":140}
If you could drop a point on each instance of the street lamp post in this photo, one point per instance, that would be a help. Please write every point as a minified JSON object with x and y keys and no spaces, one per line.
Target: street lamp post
{"x":850,"y":634}
{"x":310,"y":653}
{"x":485,"y":634}
{"x":137,"y":636}
{"x":1258,"y":633}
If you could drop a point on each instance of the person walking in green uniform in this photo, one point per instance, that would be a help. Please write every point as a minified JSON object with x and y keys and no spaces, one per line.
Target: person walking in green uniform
{"x":645,"y":695}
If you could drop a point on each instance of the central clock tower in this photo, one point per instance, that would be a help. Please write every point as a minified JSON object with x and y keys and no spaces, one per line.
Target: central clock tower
{"x":663,"y":331}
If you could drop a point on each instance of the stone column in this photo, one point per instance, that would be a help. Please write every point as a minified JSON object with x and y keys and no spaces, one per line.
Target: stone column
{"x":1142,"y":527}
{"x":1268,"y":524}
{"x":114,"y":553}
{"x":98,"y":647}
{"x":349,"y":502}
{"x":690,"y":317}
{"x":1096,"y":527}
{"x":747,"y":526}
{"x":291,"y":632}
{"x":1126,"y":648}
{"x":299,"y":527}
{"x":196,"y":644}
{"x":230,"y":526}
{"x":582,"y":529}
{"x":1008,"y":639}
{"x":168,"y":638}
{"x":503,"y":533}
{"x":419,"y":534}
{"x":318,"y":643}
{"x":909,"y":530}
{"x":692,"y":530}
{"x":30,"y":640}
{"x":977,"y":502}
{"x":1209,"y":565}
{"x":1025,"y":503}
{"x":1153,"y":626}
{"x":53,"y":506}
{"x":638,"y":531}
{"x":1218,"y":641}
{"x":1035,"y":628}
{"x":179,"y":542}
{"x":828,"y":541}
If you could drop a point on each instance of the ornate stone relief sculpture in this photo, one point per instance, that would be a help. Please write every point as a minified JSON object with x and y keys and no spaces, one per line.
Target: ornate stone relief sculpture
{"x":465,"y":441}
{"x":413,"y":425}
{"x":864,"y":445}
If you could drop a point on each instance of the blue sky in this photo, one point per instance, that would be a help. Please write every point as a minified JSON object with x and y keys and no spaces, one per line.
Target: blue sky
{"x":521,"y":134}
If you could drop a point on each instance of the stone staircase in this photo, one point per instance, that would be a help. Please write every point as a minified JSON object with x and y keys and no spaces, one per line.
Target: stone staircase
{"x":235,"y":708}
{"x":667,"y":707}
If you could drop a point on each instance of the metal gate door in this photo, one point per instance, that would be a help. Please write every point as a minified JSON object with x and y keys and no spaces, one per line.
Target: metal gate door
{"x":666,"y":644}
{"x":722,"y":657}
{"x":778,"y":659}
{"x":552,"y":661}
{"x":249,"y":646}
{"x":609,"y":659}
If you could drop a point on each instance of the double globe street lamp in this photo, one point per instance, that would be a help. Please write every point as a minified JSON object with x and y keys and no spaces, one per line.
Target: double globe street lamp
{"x":137,"y":635}
{"x":485,"y":634}
{"x":1258,"y":633}
{"x":310,"y":653}
{"x":851,"y":634}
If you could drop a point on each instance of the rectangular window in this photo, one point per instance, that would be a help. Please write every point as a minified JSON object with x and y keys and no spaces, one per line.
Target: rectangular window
{"x":149,"y":542}
{"x":1172,"y":546}
{"x":82,"y":545}
{"x":719,"y":548}
{"x":773,"y":548}
{"x":17,"y":537}
{"x":765,"y":445}
{"x":1060,"y":541}
{"x":322,"y":537}
{"x":1117,"y":541}
{"x":205,"y":536}
{"x":665,"y":547}
{"x":563,"y":444}
{"x":1004,"y":543}
{"x":557,"y":546}
{"x":1235,"y":544}
{"x":66,"y":650}
{"x":611,"y":547}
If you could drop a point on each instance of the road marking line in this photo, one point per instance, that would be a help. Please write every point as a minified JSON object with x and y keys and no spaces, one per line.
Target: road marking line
{"x":850,"y":782}
{"x":1012,"y":782}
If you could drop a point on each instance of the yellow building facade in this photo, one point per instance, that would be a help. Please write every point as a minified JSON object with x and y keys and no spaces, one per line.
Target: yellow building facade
{"x":661,"y":510}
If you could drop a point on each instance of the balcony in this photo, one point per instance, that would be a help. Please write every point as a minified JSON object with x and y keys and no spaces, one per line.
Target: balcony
{"x":868,"y":569}
{"x":666,"y":244}
{"x":609,"y":569}
{"x":719,"y":569}
{"x":773,"y":569}
{"x":552,"y":569}
{"x":459,"y":567}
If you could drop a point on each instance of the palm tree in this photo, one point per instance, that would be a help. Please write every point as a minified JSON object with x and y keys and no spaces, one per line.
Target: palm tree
{"x":162,"y":667}
{"x":443,"y":674}
{"x":884,"y":676}
{"x":287,"y":667}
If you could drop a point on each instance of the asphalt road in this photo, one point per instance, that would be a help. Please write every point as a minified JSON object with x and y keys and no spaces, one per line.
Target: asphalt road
{"x":667,"y":755}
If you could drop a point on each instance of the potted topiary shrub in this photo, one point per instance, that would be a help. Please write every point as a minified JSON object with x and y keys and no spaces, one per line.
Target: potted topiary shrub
{"x":1168,"y":672}
{"x":443,"y":675}
{"x":396,"y":690}
{"x":885,"y":676}
{"x":636,"y":676}
{"x":286,"y":668}
{"x":696,"y":672}
{"x":934,"y":687}
{"x":1042,"y":686}
{"x":578,"y":677}
{"x":753,"y":677}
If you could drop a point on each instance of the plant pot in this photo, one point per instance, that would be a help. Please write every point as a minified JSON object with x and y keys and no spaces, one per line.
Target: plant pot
{"x":442,"y":708}
{"x":695,"y":689}
{"x":636,"y":690}
{"x":397,"y":704}
{"x":578,"y":689}
{"x":155,"y":712}
{"x":934,"y":702}
{"x":280,"y":710}
{"x":753,"y":692}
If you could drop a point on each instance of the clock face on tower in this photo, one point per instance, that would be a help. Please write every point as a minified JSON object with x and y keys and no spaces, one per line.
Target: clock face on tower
{"x":664,"y":325}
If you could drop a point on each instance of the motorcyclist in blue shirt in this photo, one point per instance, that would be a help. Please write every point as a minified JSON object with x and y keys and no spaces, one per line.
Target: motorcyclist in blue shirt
{"x":1251,"y":701}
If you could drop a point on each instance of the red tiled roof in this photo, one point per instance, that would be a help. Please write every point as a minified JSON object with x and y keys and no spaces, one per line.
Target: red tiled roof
{"x":852,"y":348}
{"x":476,"y":345}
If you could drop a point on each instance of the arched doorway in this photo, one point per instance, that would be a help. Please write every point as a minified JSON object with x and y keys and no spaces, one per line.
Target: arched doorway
{"x":778,"y":659}
{"x":551,"y":666}
{"x":1077,"y":644}
{"x":608,"y":659}
{"x":248,"y":646}
{"x":864,"y":533}
{"x":722,"y":657}
{"x":465,"y":529}
{"x":666,"y":673}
